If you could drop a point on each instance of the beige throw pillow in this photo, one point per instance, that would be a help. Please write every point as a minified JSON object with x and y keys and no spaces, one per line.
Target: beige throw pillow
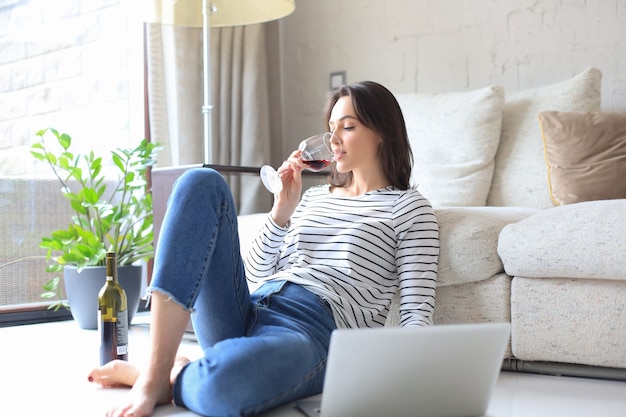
{"x":454,"y":137}
{"x":519,"y":178}
{"x":586,"y":155}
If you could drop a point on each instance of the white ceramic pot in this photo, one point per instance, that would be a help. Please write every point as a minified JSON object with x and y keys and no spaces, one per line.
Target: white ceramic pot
{"x":82,"y":291}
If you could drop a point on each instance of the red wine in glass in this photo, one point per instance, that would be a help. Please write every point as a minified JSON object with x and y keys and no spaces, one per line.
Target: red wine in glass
{"x":317,"y":165}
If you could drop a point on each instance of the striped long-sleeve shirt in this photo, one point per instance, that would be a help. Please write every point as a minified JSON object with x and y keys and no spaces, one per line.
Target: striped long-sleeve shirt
{"x":356,"y":253}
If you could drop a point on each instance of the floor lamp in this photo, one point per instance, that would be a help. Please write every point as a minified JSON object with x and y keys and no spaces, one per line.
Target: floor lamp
{"x":208,"y":14}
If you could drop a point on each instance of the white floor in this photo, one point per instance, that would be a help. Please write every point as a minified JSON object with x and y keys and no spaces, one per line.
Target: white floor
{"x":44,"y":372}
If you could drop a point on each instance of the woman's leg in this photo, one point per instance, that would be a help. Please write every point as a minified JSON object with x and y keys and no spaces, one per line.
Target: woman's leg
{"x":153,"y":386}
{"x":281,"y":359}
{"x":197,"y":259}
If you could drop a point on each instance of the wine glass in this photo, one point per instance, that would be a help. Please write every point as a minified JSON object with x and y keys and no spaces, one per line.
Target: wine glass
{"x":317,"y":152}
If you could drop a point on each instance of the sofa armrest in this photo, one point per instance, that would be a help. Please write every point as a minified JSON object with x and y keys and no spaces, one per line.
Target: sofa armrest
{"x":581,"y":240}
{"x":469,"y":241}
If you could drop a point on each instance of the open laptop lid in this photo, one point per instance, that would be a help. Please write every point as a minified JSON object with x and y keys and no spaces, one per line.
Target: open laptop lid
{"x":445,"y":371}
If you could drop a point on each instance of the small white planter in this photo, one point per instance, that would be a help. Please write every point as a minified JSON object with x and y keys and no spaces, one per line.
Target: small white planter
{"x":82,"y":291}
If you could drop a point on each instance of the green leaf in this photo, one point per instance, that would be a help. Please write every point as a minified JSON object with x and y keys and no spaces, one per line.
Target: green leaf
{"x":48,"y":294}
{"x":90,"y":196}
{"x":77,"y":206}
{"x":117,"y":160}
{"x":52,"y":285}
{"x":64,"y":140}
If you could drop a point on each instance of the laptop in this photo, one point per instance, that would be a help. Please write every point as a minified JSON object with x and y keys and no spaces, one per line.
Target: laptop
{"x":436,"y":371}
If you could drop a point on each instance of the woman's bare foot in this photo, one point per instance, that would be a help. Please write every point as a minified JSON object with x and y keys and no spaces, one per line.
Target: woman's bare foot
{"x":116,"y":373}
{"x":119,"y":373}
{"x":145,"y":394}
{"x":179,"y":364}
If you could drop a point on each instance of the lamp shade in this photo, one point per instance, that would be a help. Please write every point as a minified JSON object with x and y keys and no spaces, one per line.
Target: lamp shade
{"x":224,"y":12}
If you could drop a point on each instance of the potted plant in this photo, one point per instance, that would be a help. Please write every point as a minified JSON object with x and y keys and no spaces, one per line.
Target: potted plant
{"x":114,"y":218}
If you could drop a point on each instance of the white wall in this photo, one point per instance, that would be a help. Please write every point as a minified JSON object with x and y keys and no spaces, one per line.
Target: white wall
{"x":433,"y":46}
{"x":73,"y":65}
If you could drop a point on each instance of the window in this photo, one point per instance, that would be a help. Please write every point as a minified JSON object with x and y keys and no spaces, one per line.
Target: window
{"x":74,"y":66}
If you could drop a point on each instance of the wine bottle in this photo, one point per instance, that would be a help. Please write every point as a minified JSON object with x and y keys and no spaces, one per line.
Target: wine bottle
{"x":113,"y":315}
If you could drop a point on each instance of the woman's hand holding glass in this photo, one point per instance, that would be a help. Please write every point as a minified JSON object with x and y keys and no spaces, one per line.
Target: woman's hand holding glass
{"x":316,"y":152}
{"x":287,"y":199}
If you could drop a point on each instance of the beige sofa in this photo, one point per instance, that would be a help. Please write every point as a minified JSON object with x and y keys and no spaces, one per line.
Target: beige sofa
{"x":558,"y":274}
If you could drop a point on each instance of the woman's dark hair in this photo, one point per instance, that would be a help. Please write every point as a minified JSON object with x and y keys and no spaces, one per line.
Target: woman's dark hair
{"x":377,"y":108}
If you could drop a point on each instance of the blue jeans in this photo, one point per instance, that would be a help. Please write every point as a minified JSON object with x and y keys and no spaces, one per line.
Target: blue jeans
{"x":261,"y":350}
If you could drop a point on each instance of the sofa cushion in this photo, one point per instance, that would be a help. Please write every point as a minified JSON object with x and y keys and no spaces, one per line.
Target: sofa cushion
{"x":585,"y":154}
{"x":468,"y":241}
{"x":581,"y":240}
{"x":569,"y":320}
{"x":454,"y":137}
{"x":520,"y":173}
{"x":475,"y":302}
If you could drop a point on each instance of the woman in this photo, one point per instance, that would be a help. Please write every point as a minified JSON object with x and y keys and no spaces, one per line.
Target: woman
{"x":331,"y":259}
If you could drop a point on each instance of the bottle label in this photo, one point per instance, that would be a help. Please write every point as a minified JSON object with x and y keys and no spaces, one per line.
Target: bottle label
{"x":122,"y":332}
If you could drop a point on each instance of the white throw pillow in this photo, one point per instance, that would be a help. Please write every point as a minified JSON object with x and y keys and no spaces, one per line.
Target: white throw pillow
{"x":454,"y":138}
{"x":520,"y":176}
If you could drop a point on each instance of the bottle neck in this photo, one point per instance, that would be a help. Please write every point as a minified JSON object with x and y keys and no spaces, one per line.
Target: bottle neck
{"x":111,"y":266}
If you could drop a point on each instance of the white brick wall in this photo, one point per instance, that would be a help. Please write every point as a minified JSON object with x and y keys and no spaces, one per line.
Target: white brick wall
{"x":63,"y":64}
{"x":434,"y":46}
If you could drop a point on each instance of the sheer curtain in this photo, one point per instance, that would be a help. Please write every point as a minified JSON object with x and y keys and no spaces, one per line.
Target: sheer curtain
{"x":239,"y":87}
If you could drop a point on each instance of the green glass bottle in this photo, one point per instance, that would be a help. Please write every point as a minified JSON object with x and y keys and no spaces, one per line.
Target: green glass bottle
{"x":113,"y":315}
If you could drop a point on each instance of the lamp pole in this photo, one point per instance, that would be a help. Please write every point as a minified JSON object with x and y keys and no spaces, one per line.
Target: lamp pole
{"x":207,"y":107}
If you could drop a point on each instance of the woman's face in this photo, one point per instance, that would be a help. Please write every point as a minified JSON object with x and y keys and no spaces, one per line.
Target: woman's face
{"x":359,"y":144}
